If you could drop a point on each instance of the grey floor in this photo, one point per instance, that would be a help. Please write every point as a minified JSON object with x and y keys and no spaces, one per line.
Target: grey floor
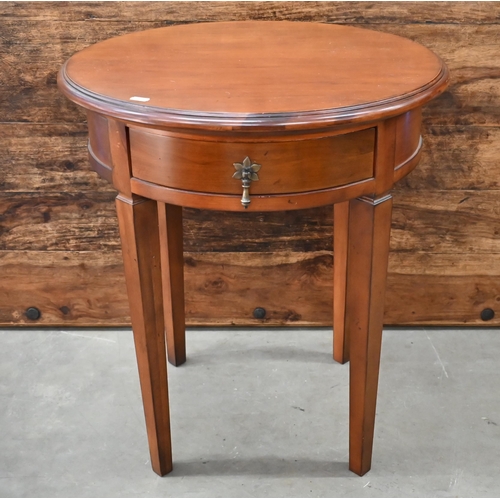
{"x":254,"y":413}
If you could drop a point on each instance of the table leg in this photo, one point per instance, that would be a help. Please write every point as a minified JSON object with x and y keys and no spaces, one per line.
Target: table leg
{"x":340,"y":241}
{"x":369,"y":232}
{"x":172,"y":266}
{"x":138,"y":221}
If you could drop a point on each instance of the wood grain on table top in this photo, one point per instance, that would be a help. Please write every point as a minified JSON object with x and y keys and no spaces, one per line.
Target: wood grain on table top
{"x":252,"y":72}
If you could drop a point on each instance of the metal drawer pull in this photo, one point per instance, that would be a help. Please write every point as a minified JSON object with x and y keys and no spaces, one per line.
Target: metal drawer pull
{"x":247,"y":172}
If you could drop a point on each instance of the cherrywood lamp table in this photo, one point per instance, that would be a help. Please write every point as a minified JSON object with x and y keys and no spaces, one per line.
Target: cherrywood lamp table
{"x":254,"y":116}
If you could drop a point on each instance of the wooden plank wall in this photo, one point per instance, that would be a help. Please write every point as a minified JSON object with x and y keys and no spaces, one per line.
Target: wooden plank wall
{"x":59,"y":248}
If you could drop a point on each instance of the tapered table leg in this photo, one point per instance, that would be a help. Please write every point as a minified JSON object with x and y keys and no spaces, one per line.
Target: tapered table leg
{"x":369,"y":232}
{"x":340,"y":241}
{"x":172,"y":265}
{"x":138,"y":221}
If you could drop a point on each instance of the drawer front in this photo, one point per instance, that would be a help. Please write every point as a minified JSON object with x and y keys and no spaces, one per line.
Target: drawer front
{"x":286,"y":166}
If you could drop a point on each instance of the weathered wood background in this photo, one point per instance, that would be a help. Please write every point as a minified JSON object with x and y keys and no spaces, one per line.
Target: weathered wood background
{"x":59,"y":247}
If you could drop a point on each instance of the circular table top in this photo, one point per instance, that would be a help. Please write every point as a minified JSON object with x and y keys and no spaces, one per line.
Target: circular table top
{"x":253,"y":73}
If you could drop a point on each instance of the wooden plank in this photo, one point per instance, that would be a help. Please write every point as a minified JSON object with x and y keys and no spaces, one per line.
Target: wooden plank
{"x":438,"y":264}
{"x":291,"y":287}
{"x":442,"y":289}
{"x":292,"y":231}
{"x":222,"y":289}
{"x":87,"y":221}
{"x":53,"y":158}
{"x":47,"y":158}
{"x":29,"y":64}
{"x":456,"y":222}
{"x":58,"y":284}
{"x":457,"y":158}
{"x":471,"y":53}
{"x":448,"y":221}
{"x":63,"y":222}
{"x":346,"y":12}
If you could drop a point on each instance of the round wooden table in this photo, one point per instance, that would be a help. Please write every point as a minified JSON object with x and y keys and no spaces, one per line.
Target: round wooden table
{"x":254,"y":116}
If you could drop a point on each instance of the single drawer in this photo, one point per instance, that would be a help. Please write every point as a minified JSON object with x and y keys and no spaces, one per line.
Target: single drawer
{"x":286,"y":166}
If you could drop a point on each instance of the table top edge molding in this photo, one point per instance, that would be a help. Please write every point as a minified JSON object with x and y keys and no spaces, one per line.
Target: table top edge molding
{"x":299,"y":120}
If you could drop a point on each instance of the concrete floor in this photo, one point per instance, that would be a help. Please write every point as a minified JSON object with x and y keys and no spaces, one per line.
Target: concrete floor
{"x":255,"y":413}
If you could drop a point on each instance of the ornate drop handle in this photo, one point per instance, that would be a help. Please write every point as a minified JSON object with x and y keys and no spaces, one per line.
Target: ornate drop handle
{"x":247,"y":172}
